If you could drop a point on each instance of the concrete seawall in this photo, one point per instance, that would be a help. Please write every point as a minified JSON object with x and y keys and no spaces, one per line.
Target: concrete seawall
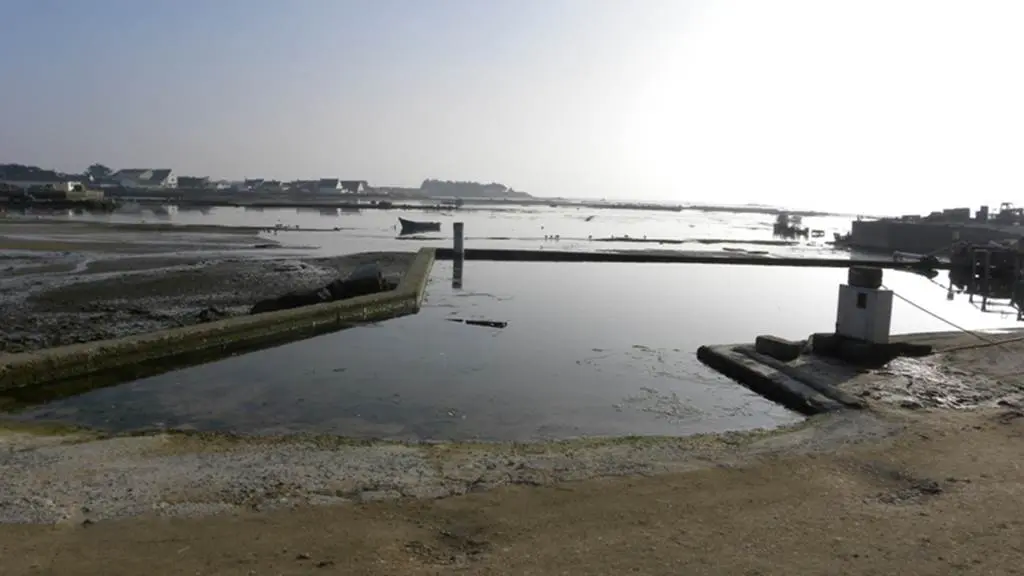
{"x":147,"y":354}
{"x":923,"y":237}
{"x":681,"y":257}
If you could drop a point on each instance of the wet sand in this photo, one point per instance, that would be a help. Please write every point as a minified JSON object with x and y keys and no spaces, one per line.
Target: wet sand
{"x":64,"y":283}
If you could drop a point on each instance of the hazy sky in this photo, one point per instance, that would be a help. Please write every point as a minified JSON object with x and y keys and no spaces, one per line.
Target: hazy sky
{"x":873,"y":106}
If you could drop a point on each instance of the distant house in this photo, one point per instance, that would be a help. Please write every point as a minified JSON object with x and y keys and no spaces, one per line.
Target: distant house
{"x":329,"y":186}
{"x":194,"y":182}
{"x":69,"y":186}
{"x":75,"y":190}
{"x":252,"y":184}
{"x":302,"y":186}
{"x":271,"y":186}
{"x":146,"y":178}
{"x":22,"y":177}
{"x":354,"y":186}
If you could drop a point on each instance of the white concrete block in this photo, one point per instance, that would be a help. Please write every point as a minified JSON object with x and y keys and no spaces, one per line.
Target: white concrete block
{"x":864,"y":313}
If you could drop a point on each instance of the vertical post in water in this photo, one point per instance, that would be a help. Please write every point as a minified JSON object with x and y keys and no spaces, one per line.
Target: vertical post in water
{"x":458,"y":253}
{"x":1015,"y":290}
{"x":986,"y":284}
{"x":973,"y":287}
{"x":952,"y":250}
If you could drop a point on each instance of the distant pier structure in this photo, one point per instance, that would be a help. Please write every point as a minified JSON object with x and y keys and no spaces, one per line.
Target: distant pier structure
{"x":985,"y":251}
{"x":937,"y":232}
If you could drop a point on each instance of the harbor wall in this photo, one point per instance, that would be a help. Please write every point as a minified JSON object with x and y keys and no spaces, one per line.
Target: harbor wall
{"x":922,"y":237}
{"x":109,"y":361}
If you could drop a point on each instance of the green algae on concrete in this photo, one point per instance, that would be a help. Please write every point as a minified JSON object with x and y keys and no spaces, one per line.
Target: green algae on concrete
{"x":80,"y":367}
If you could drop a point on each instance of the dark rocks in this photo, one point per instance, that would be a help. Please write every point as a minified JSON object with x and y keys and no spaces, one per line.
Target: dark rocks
{"x":291,"y":300}
{"x":211,"y":314}
{"x":366,"y":279}
{"x":778,"y":348}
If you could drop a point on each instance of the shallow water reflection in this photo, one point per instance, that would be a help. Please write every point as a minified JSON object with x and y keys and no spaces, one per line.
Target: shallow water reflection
{"x":589,"y":349}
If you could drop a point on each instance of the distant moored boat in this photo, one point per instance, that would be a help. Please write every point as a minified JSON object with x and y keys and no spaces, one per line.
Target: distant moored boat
{"x":414,"y":227}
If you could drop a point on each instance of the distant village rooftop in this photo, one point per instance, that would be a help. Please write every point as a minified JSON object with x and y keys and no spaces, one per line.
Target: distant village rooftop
{"x":145,"y":178}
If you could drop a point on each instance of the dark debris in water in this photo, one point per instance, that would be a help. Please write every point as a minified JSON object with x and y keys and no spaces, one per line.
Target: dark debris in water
{"x":484,"y":323}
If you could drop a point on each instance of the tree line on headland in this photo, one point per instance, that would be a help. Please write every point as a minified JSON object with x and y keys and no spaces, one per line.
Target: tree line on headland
{"x":99,"y":173}
{"x":469,"y":189}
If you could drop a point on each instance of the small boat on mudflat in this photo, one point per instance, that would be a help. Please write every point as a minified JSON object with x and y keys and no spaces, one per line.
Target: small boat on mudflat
{"x":414,"y":227}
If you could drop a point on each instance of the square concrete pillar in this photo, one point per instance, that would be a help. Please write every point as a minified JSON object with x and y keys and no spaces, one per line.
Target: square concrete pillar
{"x":864,"y":313}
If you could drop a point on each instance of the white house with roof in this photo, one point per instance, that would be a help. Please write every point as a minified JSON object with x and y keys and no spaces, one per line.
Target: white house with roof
{"x":146,"y":178}
{"x":354,"y":187}
{"x":329,"y":186}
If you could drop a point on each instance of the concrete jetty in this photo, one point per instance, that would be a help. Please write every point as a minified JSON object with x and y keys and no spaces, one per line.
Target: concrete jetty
{"x":644,"y":257}
{"x":805,"y":376}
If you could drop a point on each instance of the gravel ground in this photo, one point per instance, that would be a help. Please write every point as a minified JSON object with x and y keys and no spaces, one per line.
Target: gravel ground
{"x":935,"y":492}
{"x":48,"y":479}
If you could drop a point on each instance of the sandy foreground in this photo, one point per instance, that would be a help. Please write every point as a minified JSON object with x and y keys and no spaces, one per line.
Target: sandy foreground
{"x":929,"y":493}
{"x":881,"y":491}
{"x":926,"y":481}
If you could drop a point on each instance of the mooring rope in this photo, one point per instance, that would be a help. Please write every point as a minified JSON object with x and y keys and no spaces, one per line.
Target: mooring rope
{"x":985,"y":344}
{"x":940,"y":318}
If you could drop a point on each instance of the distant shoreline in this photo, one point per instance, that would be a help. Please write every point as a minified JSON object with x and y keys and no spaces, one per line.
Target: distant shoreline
{"x":378,"y":202}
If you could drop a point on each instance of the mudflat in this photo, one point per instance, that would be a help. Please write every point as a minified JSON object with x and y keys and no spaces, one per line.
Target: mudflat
{"x":65,"y":283}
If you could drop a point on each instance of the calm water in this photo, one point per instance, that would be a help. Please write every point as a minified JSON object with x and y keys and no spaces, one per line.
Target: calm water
{"x":508,"y":228}
{"x":590,"y":349}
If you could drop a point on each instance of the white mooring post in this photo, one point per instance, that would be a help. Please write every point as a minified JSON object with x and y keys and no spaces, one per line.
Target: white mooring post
{"x":865,"y":309}
{"x":458,"y":254}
